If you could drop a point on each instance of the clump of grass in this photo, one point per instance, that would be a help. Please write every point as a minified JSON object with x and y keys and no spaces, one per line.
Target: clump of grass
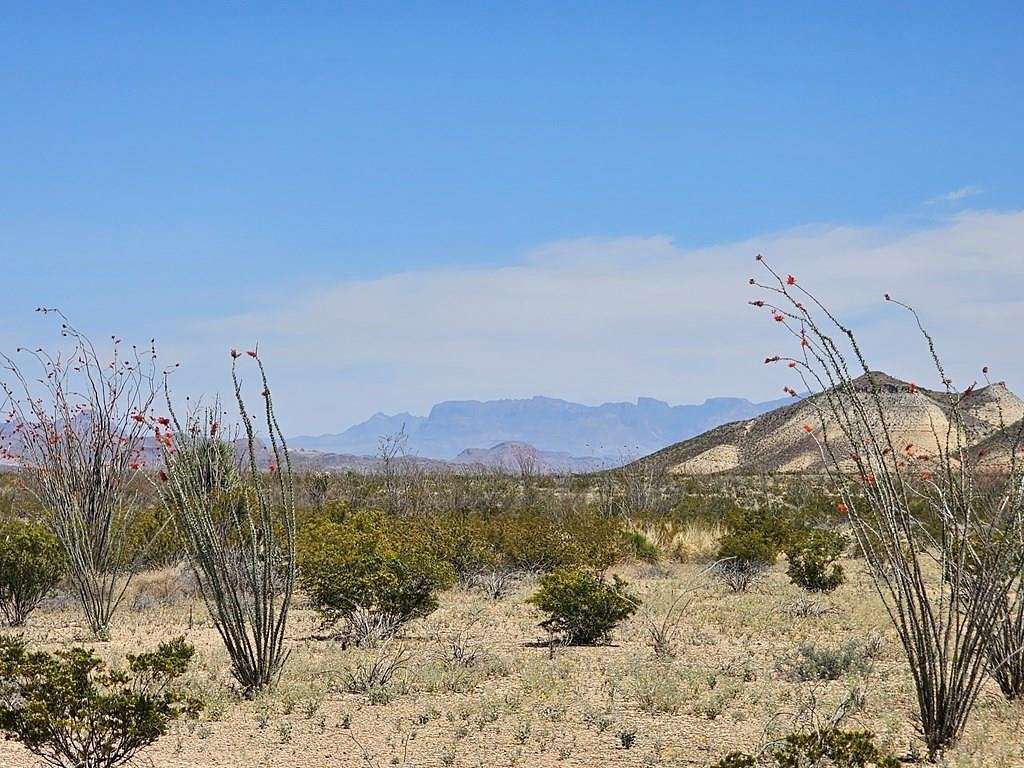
{"x":375,"y":674}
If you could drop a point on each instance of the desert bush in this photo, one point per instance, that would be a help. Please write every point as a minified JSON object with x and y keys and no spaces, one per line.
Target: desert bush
{"x":805,"y":607}
{"x":638,"y":547}
{"x":754,"y":539}
{"x":818,"y":662}
{"x":743,"y":558}
{"x":238,"y":525}
{"x":831,"y":747}
{"x":814,"y":560}
{"x":71,"y":711}
{"x":370,"y":565}
{"x":762,"y":526}
{"x":534,"y":540}
{"x":583,"y":607}
{"x":31,"y":564}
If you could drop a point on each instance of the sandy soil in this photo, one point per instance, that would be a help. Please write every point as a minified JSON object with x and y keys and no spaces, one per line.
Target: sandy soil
{"x":516,"y":705}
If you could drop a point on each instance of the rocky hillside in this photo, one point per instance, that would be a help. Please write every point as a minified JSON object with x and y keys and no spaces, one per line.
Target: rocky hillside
{"x":778,"y":441}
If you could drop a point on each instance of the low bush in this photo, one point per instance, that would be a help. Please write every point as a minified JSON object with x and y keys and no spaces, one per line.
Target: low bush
{"x":749,"y":548}
{"x":373,"y":566}
{"x":31,"y":564}
{"x":583,"y":607}
{"x":69,"y":709}
{"x":814,"y":560}
{"x":831,"y":747}
{"x":532,"y":540}
{"x":743,"y":557}
{"x":816,"y":662}
{"x":638,"y":547}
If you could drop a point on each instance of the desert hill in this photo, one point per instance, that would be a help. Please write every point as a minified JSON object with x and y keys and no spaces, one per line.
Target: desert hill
{"x":778,"y":441}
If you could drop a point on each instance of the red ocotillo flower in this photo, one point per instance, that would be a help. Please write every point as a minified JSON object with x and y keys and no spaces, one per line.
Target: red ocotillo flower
{"x":841,"y":508}
{"x":808,"y":428}
{"x":778,"y":317}
{"x":790,"y":280}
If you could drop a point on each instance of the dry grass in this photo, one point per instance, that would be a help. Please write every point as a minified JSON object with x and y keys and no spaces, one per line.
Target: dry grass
{"x":475,"y":691}
{"x":690,"y":542}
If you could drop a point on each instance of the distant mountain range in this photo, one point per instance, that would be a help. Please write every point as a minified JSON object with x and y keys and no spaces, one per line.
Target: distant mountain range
{"x":509,"y":458}
{"x":611,"y":432}
{"x":777,"y":442}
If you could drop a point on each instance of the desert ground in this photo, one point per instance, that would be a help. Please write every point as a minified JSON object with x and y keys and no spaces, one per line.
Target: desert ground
{"x":481,"y":686}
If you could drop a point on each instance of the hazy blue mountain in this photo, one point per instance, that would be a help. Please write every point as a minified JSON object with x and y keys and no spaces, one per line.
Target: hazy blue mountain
{"x":612,"y":430}
{"x":363,"y":439}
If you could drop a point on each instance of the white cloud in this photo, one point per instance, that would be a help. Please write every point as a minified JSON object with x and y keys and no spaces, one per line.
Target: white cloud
{"x":598,"y":319}
{"x":957,"y":194}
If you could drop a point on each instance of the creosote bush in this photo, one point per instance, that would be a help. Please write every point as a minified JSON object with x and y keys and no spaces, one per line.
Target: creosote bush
{"x":370,"y":571}
{"x":31,"y":564}
{"x":71,"y":711}
{"x":582,"y":606}
{"x":832,"y":747}
{"x":814,"y":560}
{"x":754,"y":539}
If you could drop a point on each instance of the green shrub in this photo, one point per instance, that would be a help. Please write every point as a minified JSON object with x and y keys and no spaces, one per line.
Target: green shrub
{"x":813,"y":560}
{"x":828,"y":747}
{"x":582,"y":606}
{"x":736,"y":760}
{"x":638,"y":547}
{"x":31,"y":564}
{"x":68,"y":709}
{"x":766,"y":523}
{"x":744,"y":556}
{"x":532,"y":540}
{"x":372,"y":565}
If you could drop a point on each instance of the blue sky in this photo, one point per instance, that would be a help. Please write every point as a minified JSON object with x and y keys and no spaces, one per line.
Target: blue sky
{"x":207,"y":170}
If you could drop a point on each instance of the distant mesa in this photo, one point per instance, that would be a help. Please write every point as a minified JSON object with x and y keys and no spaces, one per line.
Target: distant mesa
{"x":612,"y":432}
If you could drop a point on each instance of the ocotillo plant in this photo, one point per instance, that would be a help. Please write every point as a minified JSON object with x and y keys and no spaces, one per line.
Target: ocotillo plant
{"x":238,"y":524}
{"x":941,"y":532}
{"x":78,"y":430}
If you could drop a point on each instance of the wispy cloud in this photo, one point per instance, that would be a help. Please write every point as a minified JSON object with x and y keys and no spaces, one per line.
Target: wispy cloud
{"x":611,"y":319}
{"x":957,"y":194}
